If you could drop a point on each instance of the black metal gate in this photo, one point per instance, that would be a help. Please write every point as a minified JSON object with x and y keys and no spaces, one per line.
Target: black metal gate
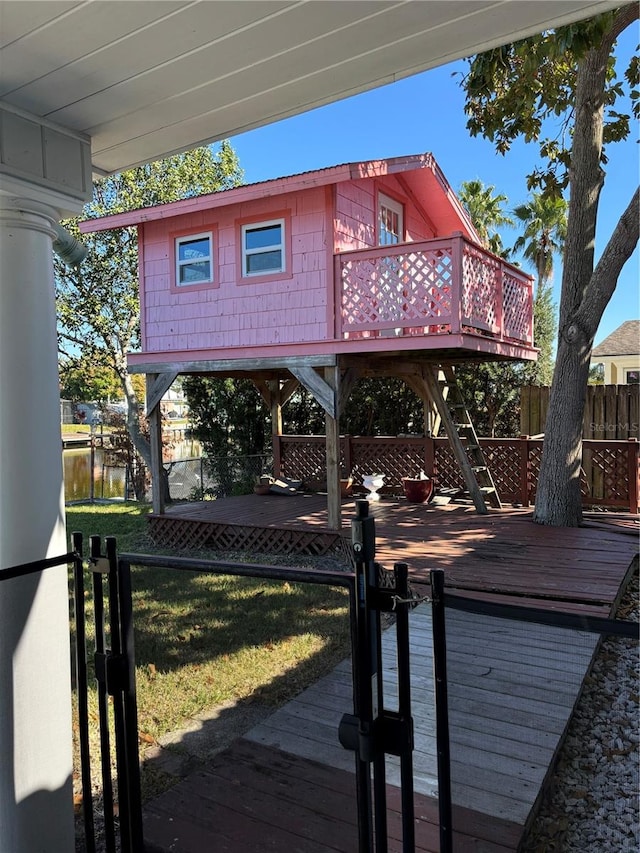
{"x":371,"y":731}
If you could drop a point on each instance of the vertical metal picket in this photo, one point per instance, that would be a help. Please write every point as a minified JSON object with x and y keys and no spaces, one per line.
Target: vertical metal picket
{"x":442,"y":710}
{"x":363,"y":541}
{"x":130,"y":710}
{"x":401,"y":571}
{"x":115,"y":671}
{"x":103,"y":696}
{"x":82,"y":694}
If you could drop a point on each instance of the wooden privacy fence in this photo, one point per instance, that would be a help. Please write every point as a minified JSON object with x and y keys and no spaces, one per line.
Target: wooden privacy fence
{"x":610,"y":412}
{"x":610,"y":473}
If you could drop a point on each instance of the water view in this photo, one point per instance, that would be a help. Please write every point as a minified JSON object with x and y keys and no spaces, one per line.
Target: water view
{"x":109,"y":481}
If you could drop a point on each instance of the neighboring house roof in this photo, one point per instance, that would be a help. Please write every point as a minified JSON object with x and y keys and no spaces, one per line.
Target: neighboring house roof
{"x":433,"y":191}
{"x":624,"y":341}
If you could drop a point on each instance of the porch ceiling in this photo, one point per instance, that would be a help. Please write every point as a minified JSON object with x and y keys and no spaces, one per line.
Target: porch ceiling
{"x":145,"y":79}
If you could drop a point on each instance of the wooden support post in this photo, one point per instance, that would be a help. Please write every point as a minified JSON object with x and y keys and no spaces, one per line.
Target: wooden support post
{"x":523,"y":444}
{"x":155,"y":440}
{"x":276,"y":423}
{"x":334,"y":503}
{"x":632,"y":457}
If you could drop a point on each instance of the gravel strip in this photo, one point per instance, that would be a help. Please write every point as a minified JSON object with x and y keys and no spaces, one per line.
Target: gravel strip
{"x":592,"y":804}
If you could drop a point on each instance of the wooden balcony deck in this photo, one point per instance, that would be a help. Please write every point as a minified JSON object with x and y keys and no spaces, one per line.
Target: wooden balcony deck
{"x":288,"y":785}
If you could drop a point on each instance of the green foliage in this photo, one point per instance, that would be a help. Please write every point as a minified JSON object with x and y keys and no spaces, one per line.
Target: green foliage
{"x":513,"y":90}
{"x":486,"y":210}
{"x":491,"y":392}
{"x":375,"y":407}
{"x":545,"y":228}
{"x":545,"y":326}
{"x":232,"y":424}
{"x":81,"y":380}
{"x":303,"y":415}
{"x":97,"y":302}
{"x":382,"y":407}
{"x":596,"y":374}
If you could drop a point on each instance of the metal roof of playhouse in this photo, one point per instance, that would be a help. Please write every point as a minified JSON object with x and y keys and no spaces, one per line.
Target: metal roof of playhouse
{"x":430,"y":187}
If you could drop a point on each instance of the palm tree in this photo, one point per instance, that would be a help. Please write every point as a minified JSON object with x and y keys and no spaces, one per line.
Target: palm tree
{"x":545,"y":228}
{"x":486,"y":210}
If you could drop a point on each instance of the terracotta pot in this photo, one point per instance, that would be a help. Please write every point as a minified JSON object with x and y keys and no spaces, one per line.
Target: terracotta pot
{"x":416,"y":490}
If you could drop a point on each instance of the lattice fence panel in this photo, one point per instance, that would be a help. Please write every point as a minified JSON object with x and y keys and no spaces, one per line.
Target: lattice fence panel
{"x":517,"y":307}
{"x":504,"y":466}
{"x":305,"y":461}
{"x":397,"y":290}
{"x":535,"y":458}
{"x":177,"y":533}
{"x":605,"y":476}
{"x":479,"y":289}
{"x":447,"y":474}
{"x":394,"y":459}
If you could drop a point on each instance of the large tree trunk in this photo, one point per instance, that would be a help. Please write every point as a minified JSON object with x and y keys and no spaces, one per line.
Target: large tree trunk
{"x":585,"y":292}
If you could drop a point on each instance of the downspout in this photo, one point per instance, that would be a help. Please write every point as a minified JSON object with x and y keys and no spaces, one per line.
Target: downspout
{"x":67,"y":248}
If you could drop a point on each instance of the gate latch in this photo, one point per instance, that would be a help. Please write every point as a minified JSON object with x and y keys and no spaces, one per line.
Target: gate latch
{"x":391,"y":733}
{"x":111,"y":670}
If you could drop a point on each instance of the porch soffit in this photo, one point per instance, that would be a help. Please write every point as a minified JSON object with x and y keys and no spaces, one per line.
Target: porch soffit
{"x":165,"y":77}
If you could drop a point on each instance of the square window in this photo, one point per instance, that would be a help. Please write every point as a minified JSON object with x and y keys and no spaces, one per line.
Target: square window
{"x":633,"y":377}
{"x":263,"y":249}
{"x":194,"y":259}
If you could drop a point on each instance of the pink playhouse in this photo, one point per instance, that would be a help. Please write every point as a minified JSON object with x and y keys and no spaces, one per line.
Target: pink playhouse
{"x":320,"y":278}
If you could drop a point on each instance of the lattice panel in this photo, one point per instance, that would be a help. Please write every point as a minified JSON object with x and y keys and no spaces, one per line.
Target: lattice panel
{"x":397,"y":290}
{"x":535,"y":458}
{"x":517,"y":308}
{"x":305,"y":461}
{"x":447,"y":474}
{"x":504,"y":465}
{"x":605,"y":475}
{"x":479,"y":288}
{"x":395,"y":460}
{"x":180,"y":533}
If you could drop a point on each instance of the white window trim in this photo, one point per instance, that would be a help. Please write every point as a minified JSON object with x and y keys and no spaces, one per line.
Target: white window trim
{"x":397,"y":207}
{"x":252,"y":226}
{"x":189,"y":238}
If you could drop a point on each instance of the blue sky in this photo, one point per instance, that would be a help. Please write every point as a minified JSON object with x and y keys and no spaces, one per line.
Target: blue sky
{"x":426,"y":113}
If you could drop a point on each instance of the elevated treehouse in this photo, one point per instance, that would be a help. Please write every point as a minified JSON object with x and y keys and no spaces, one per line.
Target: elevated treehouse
{"x":320,"y":279}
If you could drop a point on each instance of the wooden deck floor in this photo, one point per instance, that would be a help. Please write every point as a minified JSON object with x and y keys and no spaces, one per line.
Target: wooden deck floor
{"x":289,"y":786}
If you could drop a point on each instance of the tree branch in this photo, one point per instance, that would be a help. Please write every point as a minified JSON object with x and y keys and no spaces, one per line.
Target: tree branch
{"x":605,"y":275}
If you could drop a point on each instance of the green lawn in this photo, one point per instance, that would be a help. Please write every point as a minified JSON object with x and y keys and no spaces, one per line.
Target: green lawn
{"x":202,"y":640}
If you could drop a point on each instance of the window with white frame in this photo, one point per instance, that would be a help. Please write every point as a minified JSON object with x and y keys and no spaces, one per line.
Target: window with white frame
{"x":194,"y":259}
{"x":390,"y":221}
{"x":263,"y":250}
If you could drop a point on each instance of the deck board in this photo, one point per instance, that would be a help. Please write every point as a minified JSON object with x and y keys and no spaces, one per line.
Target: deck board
{"x":289,"y":785}
{"x":549,"y":666}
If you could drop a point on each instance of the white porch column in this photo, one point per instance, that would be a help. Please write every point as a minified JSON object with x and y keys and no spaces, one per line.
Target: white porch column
{"x":36,"y":809}
{"x":45,"y":174}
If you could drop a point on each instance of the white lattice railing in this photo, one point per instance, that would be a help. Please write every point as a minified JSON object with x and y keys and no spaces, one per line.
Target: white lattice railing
{"x":438,"y":286}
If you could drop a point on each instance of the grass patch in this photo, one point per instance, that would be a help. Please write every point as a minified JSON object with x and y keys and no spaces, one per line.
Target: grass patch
{"x":204,"y":640}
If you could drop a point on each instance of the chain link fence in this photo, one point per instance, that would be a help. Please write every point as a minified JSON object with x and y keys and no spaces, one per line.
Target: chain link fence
{"x":215,"y":476}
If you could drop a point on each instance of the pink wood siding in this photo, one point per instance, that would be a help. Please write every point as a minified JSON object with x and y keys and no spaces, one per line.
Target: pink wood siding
{"x":356,"y":213}
{"x":234,"y":311}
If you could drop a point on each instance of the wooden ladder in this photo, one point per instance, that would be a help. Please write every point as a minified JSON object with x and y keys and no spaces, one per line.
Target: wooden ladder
{"x":464,"y":442}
